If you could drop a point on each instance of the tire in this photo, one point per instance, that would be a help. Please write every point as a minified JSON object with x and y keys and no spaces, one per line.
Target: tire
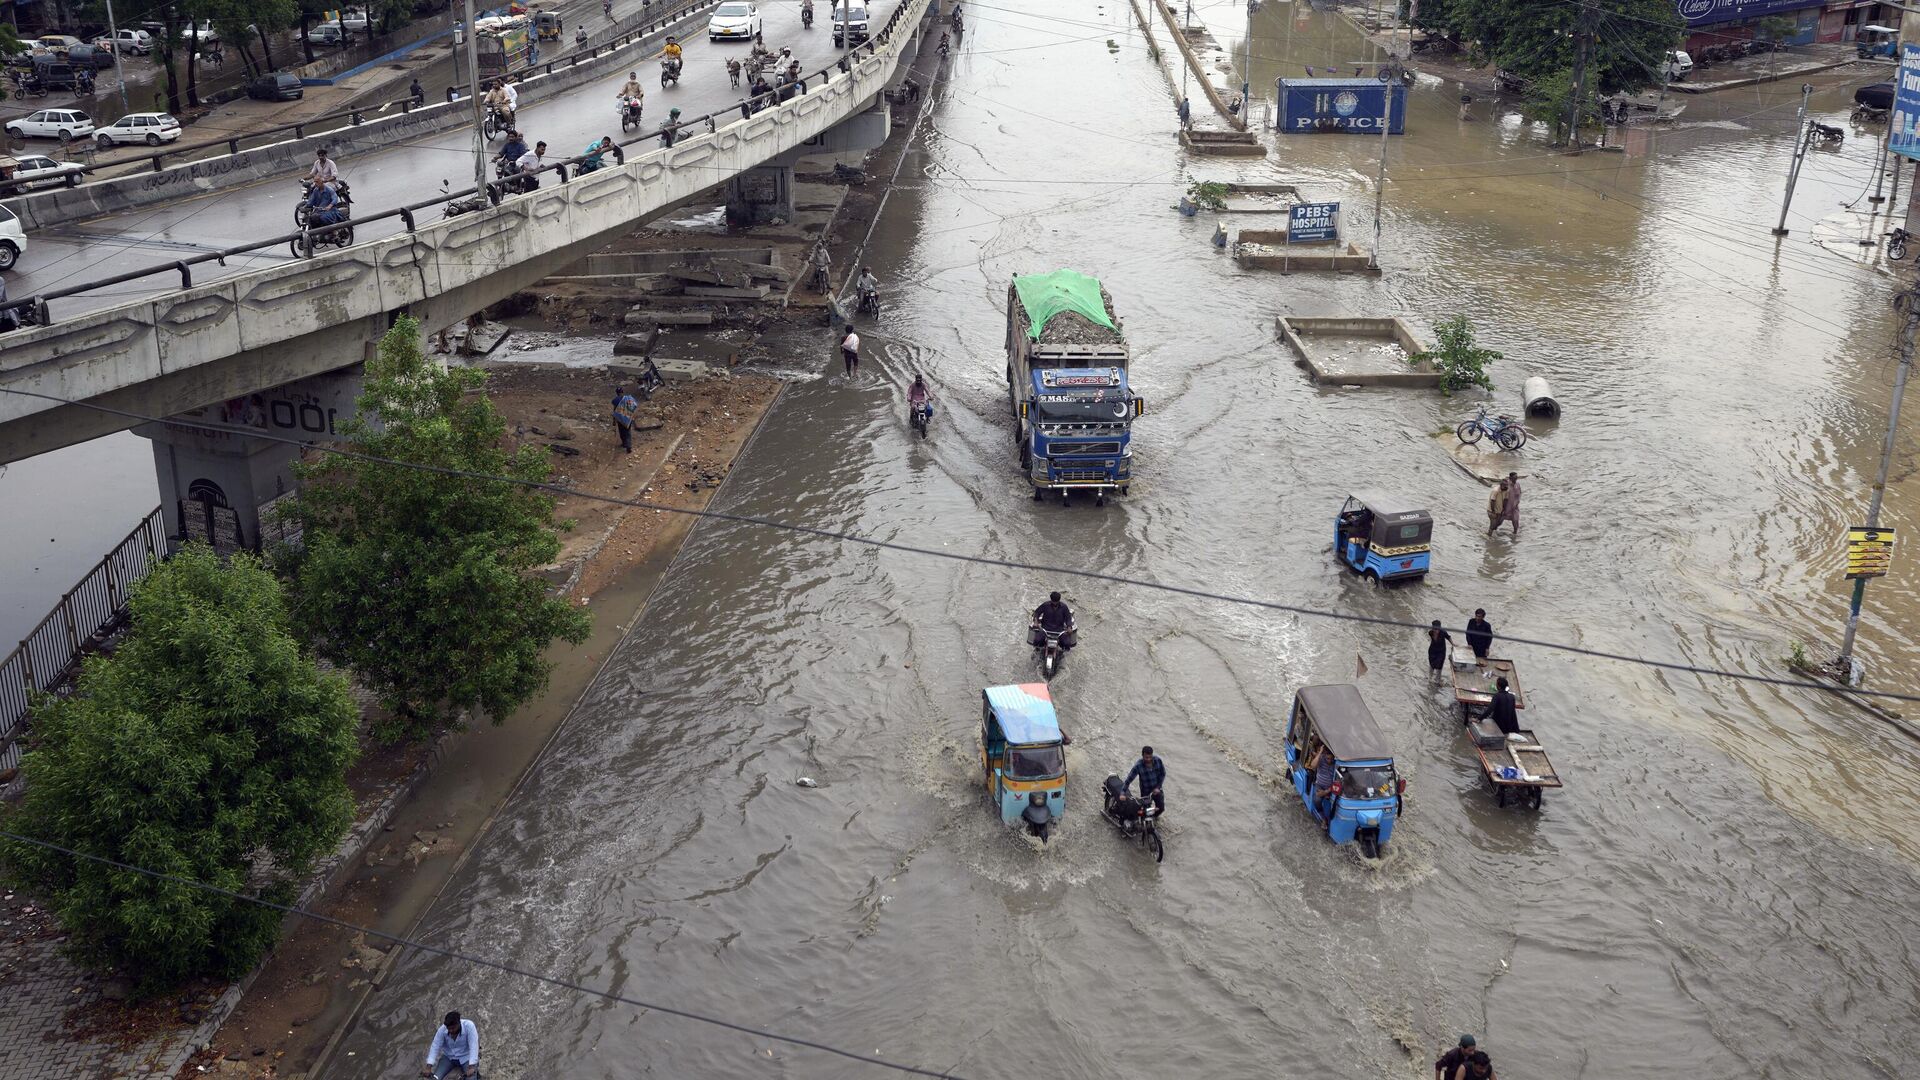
{"x":153,"y":140}
{"x":1896,"y":249}
{"x":1154,"y":845}
{"x":102,"y":142}
{"x":345,"y":237}
{"x":293,"y":245}
{"x":14,"y":132}
{"x":1469,"y":432}
{"x":8,"y":255}
{"x":1511,"y":437}
{"x":1371,"y":577}
{"x":65,"y":136}
{"x":300,"y":215}
{"x":1369,"y":845}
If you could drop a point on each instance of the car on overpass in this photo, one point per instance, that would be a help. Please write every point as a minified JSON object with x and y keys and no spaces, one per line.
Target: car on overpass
{"x":152,"y":128}
{"x":18,"y":174}
{"x":735,"y":20}
{"x":13,"y":239}
{"x":62,"y":124}
{"x":849,"y":23}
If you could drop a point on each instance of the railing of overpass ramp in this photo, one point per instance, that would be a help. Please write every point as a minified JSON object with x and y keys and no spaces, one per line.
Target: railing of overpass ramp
{"x":37,"y":309}
{"x":643,"y":25}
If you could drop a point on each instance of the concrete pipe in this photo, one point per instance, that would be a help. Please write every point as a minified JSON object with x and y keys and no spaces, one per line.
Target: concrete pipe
{"x":1540,"y":400}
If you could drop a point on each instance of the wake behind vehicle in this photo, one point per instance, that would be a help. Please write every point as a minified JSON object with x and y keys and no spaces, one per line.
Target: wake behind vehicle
{"x":1137,"y":819}
{"x":1383,"y":537}
{"x":1330,"y":732}
{"x":1024,"y":757}
{"x":1067,"y":383}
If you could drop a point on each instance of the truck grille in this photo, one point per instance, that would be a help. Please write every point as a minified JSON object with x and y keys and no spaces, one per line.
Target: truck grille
{"x":1079,"y":476}
{"x":1084,"y":449}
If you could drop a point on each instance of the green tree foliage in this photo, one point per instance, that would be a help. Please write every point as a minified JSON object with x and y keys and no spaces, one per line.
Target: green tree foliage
{"x":423,"y":583}
{"x":1459,"y":359}
{"x":209,"y":747}
{"x":1536,"y":41}
{"x":1549,"y":99}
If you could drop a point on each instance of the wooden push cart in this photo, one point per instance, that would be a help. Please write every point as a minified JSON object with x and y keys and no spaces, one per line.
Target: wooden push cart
{"x":1516,"y":766}
{"x":1473,"y":683}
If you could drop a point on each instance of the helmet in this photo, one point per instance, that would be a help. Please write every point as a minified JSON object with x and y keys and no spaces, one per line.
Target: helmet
{"x":673,"y":112}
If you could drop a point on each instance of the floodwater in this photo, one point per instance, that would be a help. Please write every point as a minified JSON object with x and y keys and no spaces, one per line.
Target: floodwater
{"x":1723,"y":890}
{"x":57,"y":528}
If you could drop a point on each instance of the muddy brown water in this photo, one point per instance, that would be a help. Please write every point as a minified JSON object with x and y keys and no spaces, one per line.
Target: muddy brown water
{"x":1724,"y":889}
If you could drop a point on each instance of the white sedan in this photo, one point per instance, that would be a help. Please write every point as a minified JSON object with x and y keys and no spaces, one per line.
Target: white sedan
{"x":62,"y":124}
{"x":735,"y":20}
{"x":35,"y":170}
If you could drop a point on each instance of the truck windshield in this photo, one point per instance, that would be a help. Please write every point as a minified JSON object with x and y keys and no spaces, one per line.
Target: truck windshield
{"x":1034,"y":762}
{"x":1085,"y":411}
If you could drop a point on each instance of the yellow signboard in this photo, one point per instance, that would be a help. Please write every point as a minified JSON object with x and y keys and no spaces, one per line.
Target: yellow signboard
{"x":1869,"y":551}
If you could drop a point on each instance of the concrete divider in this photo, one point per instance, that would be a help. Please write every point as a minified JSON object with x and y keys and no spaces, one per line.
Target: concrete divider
{"x":289,"y":159}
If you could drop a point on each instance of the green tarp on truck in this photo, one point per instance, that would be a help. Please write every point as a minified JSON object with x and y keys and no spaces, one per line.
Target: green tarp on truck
{"x":1042,"y":296}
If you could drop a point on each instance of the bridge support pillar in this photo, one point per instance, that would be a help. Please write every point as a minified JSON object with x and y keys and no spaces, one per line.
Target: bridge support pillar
{"x":214,"y":484}
{"x":760,"y":195}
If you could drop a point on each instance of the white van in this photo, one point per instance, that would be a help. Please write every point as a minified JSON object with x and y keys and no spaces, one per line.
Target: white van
{"x":849,"y":23}
{"x":1678,"y":64}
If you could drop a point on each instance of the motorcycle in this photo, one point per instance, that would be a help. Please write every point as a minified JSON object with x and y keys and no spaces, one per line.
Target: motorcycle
{"x":456,"y":207}
{"x":342,"y":194}
{"x":669,"y":71}
{"x":1504,"y":430}
{"x":1897,"y":244}
{"x":1826,"y":133}
{"x":338,"y":234}
{"x":919,"y":413}
{"x":1052,"y":652}
{"x":1136,"y":819}
{"x":498,"y":122}
{"x":630,"y":113}
{"x":870,"y":303}
{"x":806,"y":17}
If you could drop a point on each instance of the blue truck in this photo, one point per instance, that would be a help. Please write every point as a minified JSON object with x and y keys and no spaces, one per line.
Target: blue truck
{"x":1067,"y":384}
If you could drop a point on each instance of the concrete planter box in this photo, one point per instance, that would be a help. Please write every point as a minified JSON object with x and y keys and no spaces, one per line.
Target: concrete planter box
{"x":1357,"y":351}
{"x":1266,"y":249}
{"x":1223,"y":143}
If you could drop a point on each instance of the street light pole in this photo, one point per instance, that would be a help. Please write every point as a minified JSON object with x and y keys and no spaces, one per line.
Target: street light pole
{"x":1390,"y":76}
{"x":473,"y":91}
{"x":119,"y":70}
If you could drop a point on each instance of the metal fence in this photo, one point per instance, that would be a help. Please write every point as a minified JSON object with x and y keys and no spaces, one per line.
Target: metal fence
{"x":51,"y":651}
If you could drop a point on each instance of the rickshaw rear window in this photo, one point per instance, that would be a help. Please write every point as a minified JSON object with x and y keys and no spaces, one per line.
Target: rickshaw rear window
{"x":1036,"y":761}
{"x":1410,"y":532}
{"x":1369,"y":782}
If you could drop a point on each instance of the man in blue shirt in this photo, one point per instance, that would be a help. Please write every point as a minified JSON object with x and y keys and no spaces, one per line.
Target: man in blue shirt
{"x":455,"y":1046}
{"x":624,"y":410}
{"x":1152,"y":773}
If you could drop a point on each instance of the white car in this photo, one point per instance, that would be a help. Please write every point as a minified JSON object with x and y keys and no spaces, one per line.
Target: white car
{"x":353,"y":19}
{"x":327,"y":33}
{"x":13,"y":239}
{"x":129,"y":42}
{"x":38,"y":170}
{"x":735,"y":20}
{"x":849,"y":23}
{"x":62,"y":124}
{"x":152,"y":128}
{"x":1678,"y":65}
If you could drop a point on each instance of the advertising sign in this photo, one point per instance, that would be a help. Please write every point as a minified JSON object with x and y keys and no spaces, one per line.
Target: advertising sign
{"x":1869,"y":551}
{"x":1710,"y":12}
{"x":1901,"y":138}
{"x":1349,"y":105}
{"x":1311,"y":223}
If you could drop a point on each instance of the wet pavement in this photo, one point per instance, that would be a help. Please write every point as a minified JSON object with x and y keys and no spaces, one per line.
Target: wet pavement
{"x":1724,"y":888}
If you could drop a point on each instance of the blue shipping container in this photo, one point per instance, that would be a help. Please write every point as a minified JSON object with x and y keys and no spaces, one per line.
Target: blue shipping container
{"x":1354,"y":105}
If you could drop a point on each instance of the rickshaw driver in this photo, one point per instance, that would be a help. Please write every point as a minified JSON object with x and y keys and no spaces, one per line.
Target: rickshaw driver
{"x":1357,"y":525}
{"x":1152,"y":773}
{"x":1056,"y":617}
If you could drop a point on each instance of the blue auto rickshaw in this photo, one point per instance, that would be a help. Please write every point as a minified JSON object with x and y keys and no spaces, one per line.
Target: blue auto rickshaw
{"x":1876,"y":43}
{"x":1383,"y":537}
{"x":1365,"y":796}
{"x":1024,"y":756}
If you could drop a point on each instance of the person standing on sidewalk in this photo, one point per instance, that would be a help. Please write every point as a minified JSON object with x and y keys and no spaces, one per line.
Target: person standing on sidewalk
{"x":455,"y":1048}
{"x":850,"y":351}
{"x":624,"y":408}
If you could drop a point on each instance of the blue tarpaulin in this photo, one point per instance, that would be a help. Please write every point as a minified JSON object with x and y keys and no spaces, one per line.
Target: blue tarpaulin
{"x":1025,"y":713}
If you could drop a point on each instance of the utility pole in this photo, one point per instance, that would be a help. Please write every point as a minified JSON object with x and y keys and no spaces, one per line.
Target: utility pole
{"x":1802,"y":136}
{"x":1908,"y":304}
{"x":473,"y":91}
{"x":1581,"y":36}
{"x":119,"y":70}
{"x":1391,"y":76}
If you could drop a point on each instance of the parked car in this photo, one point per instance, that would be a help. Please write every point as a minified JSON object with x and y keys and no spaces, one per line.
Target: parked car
{"x":90,"y":56}
{"x":1678,"y":65}
{"x":62,"y":124}
{"x":18,"y":174}
{"x":57,"y":74}
{"x":151,"y":128}
{"x":327,"y":33}
{"x":354,"y":19}
{"x":280,"y":86}
{"x":131,"y":42}
{"x":59,"y":43}
{"x":735,"y":20}
{"x":13,"y":239}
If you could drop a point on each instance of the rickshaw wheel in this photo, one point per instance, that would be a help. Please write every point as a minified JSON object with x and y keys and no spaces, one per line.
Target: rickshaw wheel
{"x":1372,"y":578}
{"x":1369,"y":846}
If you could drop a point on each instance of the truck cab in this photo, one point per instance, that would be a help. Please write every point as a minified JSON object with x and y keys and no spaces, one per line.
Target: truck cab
{"x":1068,"y":386}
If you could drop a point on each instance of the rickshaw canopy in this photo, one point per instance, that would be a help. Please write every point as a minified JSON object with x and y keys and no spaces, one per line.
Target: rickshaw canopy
{"x":1025,"y":713}
{"x":1344,"y":723}
{"x":1391,"y":513}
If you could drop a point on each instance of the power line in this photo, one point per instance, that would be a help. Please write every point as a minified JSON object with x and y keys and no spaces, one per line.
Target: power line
{"x":979,"y":560}
{"x":479,"y":961}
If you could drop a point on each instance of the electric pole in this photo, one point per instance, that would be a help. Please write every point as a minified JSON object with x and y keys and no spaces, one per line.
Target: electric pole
{"x":119,"y":70}
{"x":1803,"y":135}
{"x":473,"y":91}
{"x":1581,"y":36}
{"x":1392,"y":75}
{"x":1908,"y":305}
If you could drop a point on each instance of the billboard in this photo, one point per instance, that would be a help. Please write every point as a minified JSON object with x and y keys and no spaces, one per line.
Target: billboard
{"x":1350,"y":105}
{"x":1713,"y":12}
{"x":1309,"y":223}
{"x":1901,"y":138}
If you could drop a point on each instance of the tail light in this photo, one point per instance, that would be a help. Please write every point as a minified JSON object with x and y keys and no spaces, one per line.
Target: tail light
{"x":1400,"y":788}
{"x":1335,"y":789}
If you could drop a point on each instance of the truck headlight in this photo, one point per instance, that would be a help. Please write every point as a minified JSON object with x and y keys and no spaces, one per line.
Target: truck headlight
{"x":1040,"y":466}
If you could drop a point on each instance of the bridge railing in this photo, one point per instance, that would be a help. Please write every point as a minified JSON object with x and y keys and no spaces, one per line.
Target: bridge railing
{"x":37,"y":309}
{"x":51,"y":651}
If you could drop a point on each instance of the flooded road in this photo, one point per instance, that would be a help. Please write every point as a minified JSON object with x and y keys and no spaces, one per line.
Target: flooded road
{"x":1725,"y":887}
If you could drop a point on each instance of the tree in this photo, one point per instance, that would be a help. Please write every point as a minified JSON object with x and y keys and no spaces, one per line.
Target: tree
{"x":1460,"y":361}
{"x":1628,"y":39}
{"x":420,"y":582}
{"x":208,"y":747}
{"x":1548,"y":101}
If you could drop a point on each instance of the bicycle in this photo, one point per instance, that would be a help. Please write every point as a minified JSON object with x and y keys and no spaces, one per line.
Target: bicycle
{"x":1503,"y":430}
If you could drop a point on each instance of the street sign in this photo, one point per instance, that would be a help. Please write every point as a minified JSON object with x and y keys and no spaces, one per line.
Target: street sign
{"x":1355,"y":106}
{"x":1309,"y":223}
{"x":1901,"y":138}
{"x":1869,"y":551}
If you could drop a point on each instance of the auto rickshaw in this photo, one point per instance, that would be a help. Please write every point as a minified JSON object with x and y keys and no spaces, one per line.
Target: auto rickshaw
{"x":1024,"y":756}
{"x":547,"y":23}
{"x":1383,"y":537}
{"x":1876,"y":43}
{"x":1365,"y":796}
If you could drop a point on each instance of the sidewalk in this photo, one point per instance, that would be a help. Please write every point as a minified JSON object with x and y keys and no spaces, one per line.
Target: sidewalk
{"x":1771,"y":67}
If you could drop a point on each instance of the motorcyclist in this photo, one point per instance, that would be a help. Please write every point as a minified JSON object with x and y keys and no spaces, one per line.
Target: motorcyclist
{"x":500,"y":104}
{"x":806,"y":12}
{"x":509,"y":156}
{"x":822,"y":267}
{"x":793,"y":70}
{"x":761,"y":89}
{"x":1054,"y":617}
{"x":919,"y":398}
{"x":324,"y":172}
{"x":606,"y":7}
{"x":946,"y":42}
{"x":633,"y":91}
{"x":672,"y":49}
{"x":418,"y":93}
{"x":1152,"y":773}
{"x":323,"y":207}
{"x":672,"y":130}
{"x":867,"y":286}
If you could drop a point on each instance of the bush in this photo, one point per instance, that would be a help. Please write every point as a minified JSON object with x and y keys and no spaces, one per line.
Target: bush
{"x":1208,"y":194}
{"x":1459,"y":360}
{"x":208,"y":747}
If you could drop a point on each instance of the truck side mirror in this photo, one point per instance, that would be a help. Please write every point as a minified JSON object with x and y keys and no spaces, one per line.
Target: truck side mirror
{"x":1139,"y":406}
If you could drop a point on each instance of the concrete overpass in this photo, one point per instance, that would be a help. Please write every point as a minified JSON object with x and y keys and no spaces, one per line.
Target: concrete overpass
{"x":265,"y":326}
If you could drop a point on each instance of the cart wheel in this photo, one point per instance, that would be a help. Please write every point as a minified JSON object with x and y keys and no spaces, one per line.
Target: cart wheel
{"x":1538,"y":793}
{"x":1500,"y":792}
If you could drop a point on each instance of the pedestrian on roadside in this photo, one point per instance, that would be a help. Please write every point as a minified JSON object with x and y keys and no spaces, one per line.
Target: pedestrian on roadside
{"x":1497,"y":507}
{"x":1454,"y":1061}
{"x":455,"y":1048}
{"x":850,"y":351}
{"x":1512,"y":512}
{"x":624,"y":408}
{"x":417,"y":92}
{"x":1437,"y":641}
{"x":1479,"y":634}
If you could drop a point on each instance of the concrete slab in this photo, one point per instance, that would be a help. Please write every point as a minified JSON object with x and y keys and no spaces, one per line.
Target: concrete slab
{"x":721,"y":292}
{"x":1357,"y":351}
{"x":1483,"y":461}
{"x":1267,"y":249}
{"x":640,"y":317}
